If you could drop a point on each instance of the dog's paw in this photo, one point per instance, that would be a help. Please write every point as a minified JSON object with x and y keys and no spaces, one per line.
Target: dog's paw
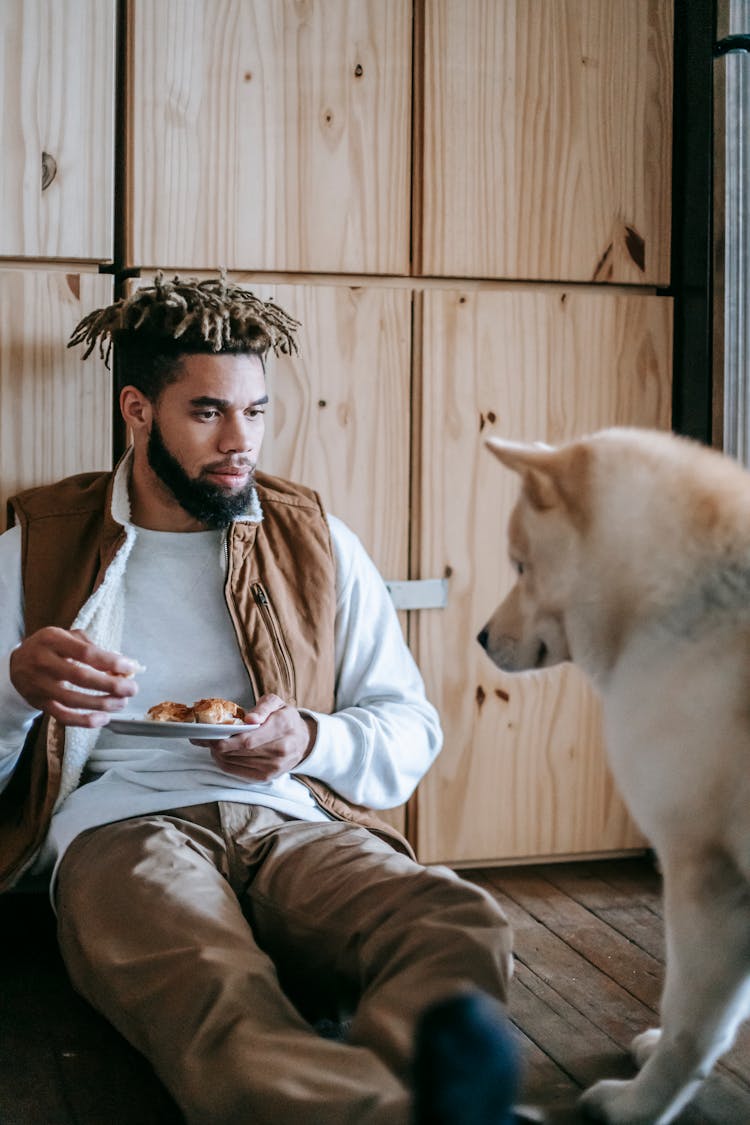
{"x":610,"y":1102}
{"x":644,"y":1045}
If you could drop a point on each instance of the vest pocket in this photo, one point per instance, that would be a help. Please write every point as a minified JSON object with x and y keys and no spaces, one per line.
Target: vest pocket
{"x":278,"y":644}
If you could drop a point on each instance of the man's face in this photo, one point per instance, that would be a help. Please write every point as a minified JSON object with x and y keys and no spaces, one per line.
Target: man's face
{"x":206,"y":432}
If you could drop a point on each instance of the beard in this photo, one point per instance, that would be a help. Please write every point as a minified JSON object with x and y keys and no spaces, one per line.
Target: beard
{"x":213,"y":506}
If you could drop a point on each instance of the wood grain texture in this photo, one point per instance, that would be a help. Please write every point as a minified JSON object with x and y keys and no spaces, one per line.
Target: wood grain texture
{"x":267,"y":134}
{"x":57,"y":89}
{"x":340,"y":411}
{"x":55,"y":409}
{"x":547,"y":139}
{"x":589,"y":955}
{"x":522,"y":773}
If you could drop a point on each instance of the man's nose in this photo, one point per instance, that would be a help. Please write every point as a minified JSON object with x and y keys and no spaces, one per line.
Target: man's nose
{"x":238,"y":435}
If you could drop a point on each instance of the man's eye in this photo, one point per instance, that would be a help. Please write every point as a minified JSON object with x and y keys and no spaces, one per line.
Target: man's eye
{"x":519,"y":567}
{"x":256,"y":412}
{"x":207,"y":415}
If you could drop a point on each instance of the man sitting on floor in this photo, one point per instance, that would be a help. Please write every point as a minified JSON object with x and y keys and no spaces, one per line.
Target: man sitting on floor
{"x":213,"y":896}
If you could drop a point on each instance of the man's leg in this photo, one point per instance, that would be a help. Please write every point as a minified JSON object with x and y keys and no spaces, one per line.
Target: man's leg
{"x":335,"y":905}
{"x":153,"y":936}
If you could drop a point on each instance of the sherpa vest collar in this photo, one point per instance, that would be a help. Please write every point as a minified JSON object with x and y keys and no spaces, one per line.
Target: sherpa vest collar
{"x":280,"y":590}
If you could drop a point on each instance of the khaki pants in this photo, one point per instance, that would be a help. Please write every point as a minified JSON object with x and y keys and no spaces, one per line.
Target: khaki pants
{"x":190,"y":931}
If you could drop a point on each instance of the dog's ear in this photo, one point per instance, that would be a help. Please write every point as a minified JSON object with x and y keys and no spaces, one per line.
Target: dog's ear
{"x":551,"y":477}
{"x":519,"y":455}
{"x":536,"y":464}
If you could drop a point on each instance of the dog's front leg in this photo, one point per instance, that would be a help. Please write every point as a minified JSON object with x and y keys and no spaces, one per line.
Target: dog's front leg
{"x":706,"y":995}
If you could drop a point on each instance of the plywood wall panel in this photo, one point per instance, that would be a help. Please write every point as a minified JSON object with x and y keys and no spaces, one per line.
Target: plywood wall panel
{"x":57,"y":92}
{"x":522,"y":773}
{"x":273,"y":135}
{"x":340,"y":412}
{"x":547,"y":139}
{"x":55,"y":409}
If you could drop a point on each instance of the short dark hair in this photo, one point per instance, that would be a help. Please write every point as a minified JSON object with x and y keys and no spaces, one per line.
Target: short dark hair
{"x":157,"y":325}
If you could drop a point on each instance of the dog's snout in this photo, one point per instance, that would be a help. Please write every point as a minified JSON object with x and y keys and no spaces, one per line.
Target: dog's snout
{"x":483,"y":637}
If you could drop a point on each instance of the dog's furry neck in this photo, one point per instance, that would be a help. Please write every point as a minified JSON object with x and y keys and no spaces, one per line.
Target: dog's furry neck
{"x":717,"y":599}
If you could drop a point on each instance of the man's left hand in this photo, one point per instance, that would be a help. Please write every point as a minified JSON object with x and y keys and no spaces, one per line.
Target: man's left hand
{"x":282,"y":739}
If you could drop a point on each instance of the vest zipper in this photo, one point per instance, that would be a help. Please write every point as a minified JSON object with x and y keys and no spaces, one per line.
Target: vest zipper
{"x":279,"y":647}
{"x":268,"y":617}
{"x":238,"y":632}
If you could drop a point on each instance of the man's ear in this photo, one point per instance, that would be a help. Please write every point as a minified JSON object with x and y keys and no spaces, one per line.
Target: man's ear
{"x":136,"y":409}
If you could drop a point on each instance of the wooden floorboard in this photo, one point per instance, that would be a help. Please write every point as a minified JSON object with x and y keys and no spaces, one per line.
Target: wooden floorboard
{"x":589,"y":947}
{"x":60,"y":1062}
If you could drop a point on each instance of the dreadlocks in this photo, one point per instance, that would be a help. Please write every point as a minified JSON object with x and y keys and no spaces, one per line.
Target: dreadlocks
{"x":156,"y":325}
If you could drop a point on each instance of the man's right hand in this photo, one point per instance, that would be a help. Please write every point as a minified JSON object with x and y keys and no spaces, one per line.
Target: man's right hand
{"x":51,"y":666}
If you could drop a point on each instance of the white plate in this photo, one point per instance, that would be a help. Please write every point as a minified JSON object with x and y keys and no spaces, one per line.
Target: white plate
{"x":151,"y":728}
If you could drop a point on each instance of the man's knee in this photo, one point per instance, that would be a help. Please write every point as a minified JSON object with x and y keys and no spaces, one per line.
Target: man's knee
{"x":449,"y":911}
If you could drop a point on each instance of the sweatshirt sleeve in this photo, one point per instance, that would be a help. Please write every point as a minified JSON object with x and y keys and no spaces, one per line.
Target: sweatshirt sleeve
{"x":16,"y":716}
{"x":384,"y":734}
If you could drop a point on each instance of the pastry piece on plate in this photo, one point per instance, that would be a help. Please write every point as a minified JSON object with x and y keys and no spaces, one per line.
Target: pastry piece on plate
{"x":169,"y":712}
{"x":218,"y":712}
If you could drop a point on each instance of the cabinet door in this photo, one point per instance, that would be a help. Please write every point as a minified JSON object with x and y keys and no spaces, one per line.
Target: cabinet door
{"x":339,"y":411}
{"x":547,"y":139}
{"x":269,"y":134}
{"x":55,"y":409}
{"x":523,"y":771}
{"x":57,"y":84}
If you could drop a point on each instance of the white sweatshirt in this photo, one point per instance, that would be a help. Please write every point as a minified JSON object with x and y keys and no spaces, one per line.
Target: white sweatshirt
{"x":373,"y":750}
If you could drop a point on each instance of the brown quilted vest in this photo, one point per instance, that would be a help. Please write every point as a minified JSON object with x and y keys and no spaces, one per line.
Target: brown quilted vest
{"x":280,"y":590}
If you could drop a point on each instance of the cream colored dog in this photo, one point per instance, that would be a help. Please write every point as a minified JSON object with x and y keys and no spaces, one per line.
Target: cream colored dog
{"x":632,"y":550}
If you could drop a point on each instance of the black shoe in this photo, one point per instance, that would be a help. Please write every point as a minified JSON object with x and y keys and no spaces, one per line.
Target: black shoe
{"x":466,"y":1063}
